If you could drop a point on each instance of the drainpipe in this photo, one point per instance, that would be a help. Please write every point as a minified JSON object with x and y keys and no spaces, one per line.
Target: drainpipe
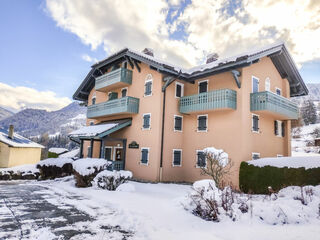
{"x":164,"y":88}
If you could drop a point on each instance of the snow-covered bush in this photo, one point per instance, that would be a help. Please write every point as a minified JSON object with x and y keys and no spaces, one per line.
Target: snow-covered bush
{"x":111,"y":180}
{"x":86,"y":169}
{"x":28,"y":171}
{"x":291,"y":205}
{"x":52,"y":168}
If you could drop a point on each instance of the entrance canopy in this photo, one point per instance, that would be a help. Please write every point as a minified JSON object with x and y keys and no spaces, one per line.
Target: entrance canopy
{"x":99,"y":131}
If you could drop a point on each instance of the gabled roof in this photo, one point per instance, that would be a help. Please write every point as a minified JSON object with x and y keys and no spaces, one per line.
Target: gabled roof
{"x":17,"y":141}
{"x":278,"y":53}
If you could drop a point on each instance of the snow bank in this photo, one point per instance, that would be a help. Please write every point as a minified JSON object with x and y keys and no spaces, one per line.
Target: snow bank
{"x":58,"y":162}
{"x":306,"y":162}
{"x":23,"y":170}
{"x":111,"y":180}
{"x":58,"y":150}
{"x":87,"y":166}
{"x":126,"y":187}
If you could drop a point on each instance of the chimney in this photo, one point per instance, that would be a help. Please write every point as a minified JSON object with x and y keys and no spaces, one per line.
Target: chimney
{"x":212,"y":57}
{"x":148,"y":51}
{"x":11,"y":130}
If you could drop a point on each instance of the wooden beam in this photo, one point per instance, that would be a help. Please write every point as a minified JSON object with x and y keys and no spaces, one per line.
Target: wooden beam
{"x":136,"y":64}
{"x":236,"y":74}
{"x":130,"y":62}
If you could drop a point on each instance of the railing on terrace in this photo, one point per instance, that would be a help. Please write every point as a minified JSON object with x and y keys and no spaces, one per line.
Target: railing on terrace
{"x":122,"y":75}
{"x":275,"y":103}
{"x":216,"y":99}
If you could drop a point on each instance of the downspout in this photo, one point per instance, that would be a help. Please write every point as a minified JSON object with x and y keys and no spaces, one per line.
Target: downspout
{"x":164,"y":88}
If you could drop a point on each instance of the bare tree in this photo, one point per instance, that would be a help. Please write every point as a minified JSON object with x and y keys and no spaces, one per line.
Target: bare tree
{"x":218,"y":165}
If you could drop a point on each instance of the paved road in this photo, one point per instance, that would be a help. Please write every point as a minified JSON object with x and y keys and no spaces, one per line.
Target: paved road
{"x":26,"y":208}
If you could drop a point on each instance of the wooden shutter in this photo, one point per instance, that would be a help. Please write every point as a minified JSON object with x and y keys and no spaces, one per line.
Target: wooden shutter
{"x":178,"y":123}
{"x":178,"y":90}
{"x":176,"y":158}
{"x":148,"y":88}
{"x":202,"y":123}
{"x":144,"y":158}
{"x":146,"y":121}
{"x":203,"y":87}
{"x":255,"y":123}
{"x":276,"y":127}
{"x":283,"y":129}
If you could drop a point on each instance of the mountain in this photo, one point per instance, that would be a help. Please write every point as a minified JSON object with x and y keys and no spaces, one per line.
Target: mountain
{"x":35,"y":122}
{"x":314,"y":94}
{"x":4,"y":113}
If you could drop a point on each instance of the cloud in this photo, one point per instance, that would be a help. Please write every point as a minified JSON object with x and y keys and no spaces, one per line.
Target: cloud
{"x":89,"y":59}
{"x":24,"y":97}
{"x":225,"y":27}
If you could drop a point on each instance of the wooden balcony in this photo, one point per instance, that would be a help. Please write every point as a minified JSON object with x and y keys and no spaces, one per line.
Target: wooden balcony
{"x":125,"y":105}
{"x":216,"y":99}
{"x":121,"y":77}
{"x":274,"y":104}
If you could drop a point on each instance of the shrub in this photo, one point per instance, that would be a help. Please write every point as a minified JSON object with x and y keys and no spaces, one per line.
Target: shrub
{"x":52,"y":168}
{"x":257,"y":179}
{"x":23,"y":172}
{"x":52,"y":155}
{"x":86,"y":169}
{"x":111,"y":180}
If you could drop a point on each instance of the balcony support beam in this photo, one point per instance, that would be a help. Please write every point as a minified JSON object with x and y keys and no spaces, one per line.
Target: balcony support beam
{"x":236,"y":74}
{"x":130,"y":62}
{"x":137,"y":66}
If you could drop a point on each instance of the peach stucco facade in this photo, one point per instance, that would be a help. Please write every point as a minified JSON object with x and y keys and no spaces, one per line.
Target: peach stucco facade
{"x":227,"y":129}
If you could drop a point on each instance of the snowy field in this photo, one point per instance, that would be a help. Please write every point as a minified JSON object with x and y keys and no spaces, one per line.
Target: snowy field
{"x":139,"y":211}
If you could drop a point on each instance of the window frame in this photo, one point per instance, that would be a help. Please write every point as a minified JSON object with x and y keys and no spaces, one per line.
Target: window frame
{"x":255,"y":153}
{"x":279,"y":90}
{"x":182,"y":89}
{"x":173,"y":150}
{"x":202,"y":82}
{"x":252,"y":123}
{"x":143,"y":128}
{"x":125,"y":88}
{"x":110,"y":147}
{"x":149,"y":78}
{"x":252,"y":77}
{"x":148,"y":156}
{"x":269,"y":83}
{"x":197,"y":166}
{"x":207,"y":121}
{"x":174,"y":123}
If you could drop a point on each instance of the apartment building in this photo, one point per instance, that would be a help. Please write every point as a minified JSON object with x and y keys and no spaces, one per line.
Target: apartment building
{"x":154,"y":118}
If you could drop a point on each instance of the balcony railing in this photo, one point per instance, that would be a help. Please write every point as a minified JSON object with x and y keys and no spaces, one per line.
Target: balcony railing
{"x":117,"y":78}
{"x":268,"y":101}
{"x":113,"y":107}
{"x":216,"y":99}
{"x":116,"y":166}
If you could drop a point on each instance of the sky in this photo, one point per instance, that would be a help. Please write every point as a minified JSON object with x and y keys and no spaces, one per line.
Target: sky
{"x":48,"y":46}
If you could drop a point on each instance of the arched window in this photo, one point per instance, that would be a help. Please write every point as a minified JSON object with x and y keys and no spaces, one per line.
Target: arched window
{"x":93,"y":99}
{"x":267,"y":84}
{"x":148,"y":85}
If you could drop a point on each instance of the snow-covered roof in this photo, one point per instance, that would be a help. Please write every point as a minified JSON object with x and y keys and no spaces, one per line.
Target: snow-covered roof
{"x":17,"y":140}
{"x":92,"y":131}
{"x":289,"y":162}
{"x":58,"y":150}
{"x":71,"y":154}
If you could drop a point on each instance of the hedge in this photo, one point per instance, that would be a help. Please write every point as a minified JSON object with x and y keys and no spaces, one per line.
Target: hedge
{"x":257,"y":179}
{"x":52,"y":155}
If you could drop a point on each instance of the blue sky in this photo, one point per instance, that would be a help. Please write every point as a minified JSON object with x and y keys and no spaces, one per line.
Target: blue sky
{"x":43,"y":44}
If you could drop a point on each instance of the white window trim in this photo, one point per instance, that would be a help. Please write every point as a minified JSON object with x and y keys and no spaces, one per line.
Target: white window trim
{"x":197,"y":166}
{"x":206,"y":123}
{"x":123,"y":89}
{"x":202,"y":82}
{"x":110,"y":147}
{"x":141,"y":163}
{"x":265,"y":84}
{"x":254,"y":153}
{"x":279,"y":155}
{"x":279,"y":128}
{"x":182,"y":89}
{"x":252,"y":83}
{"x":173,"y":157}
{"x":252,"y":123}
{"x":146,"y":81}
{"x":114,"y":152}
{"x":280,"y":91}
{"x":174,"y":121}
{"x":143,"y":121}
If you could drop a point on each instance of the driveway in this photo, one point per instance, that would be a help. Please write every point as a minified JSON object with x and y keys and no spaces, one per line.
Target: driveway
{"x":30,"y":211}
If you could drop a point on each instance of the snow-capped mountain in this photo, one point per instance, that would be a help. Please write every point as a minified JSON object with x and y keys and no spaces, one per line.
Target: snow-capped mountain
{"x":314,"y":94}
{"x":35,"y":122}
{"x":4,"y":113}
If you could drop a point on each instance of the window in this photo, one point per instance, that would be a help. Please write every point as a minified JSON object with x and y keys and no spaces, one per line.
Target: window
{"x":179,"y":90}
{"x":255,"y":84}
{"x":202,"y":123}
{"x":278,"y":91}
{"x":178,"y":123}
{"x":203,"y":86}
{"x":112,"y":95}
{"x":145,"y":156}
{"x":108,"y":153}
{"x":267,"y":84}
{"x":279,"y":128}
{"x":148,"y":85}
{"x":93,"y":99}
{"x":201,"y":159}
{"x":124,"y":92}
{"x":177,"y":155}
{"x":255,"y":123}
{"x":146,"y":121}
{"x":255,"y":156}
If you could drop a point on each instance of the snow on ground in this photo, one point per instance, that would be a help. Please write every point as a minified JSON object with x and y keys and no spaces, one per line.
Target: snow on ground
{"x":155,"y":211}
{"x":306,"y":136}
{"x":291,"y":162}
{"x":59,"y":162}
{"x":25,"y":169}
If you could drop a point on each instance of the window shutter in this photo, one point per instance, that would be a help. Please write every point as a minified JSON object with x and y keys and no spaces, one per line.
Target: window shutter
{"x":93,"y":101}
{"x":178,"y":123}
{"x":202,"y":123}
{"x":148,"y":88}
{"x":178,"y":90}
{"x":282,"y":129}
{"x":144,"y":156}
{"x":255,"y":123}
{"x":201,"y":159}
{"x":146,"y":121}
{"x":203,"y":87}
{"x":177,"y":158}
{"x":276,"y":127}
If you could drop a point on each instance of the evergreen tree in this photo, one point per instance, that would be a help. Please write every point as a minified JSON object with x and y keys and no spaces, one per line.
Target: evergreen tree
{"x":309,"y":112}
